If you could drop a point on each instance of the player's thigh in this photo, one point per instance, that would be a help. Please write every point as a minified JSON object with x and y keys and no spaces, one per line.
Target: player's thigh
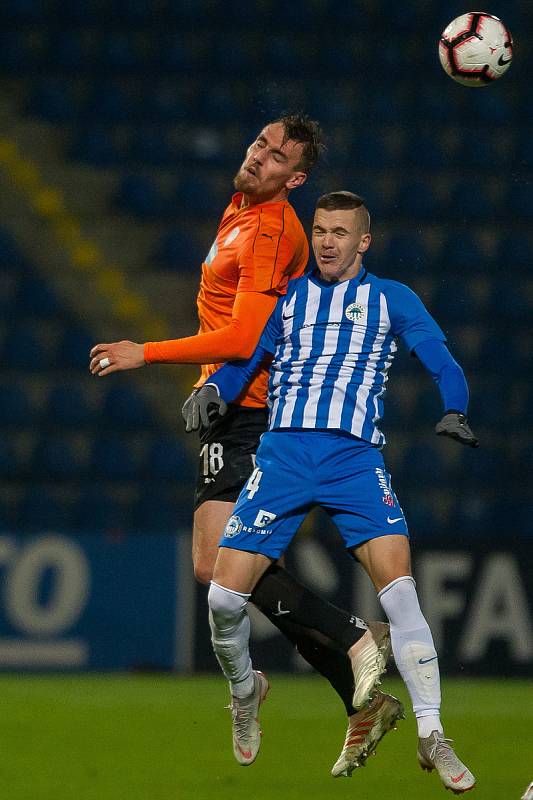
{"x":273,"y":502}
{"x":227,"y":455}
{"x":385,"y":558}
{"x":239,"y":570}
{"x":209,"y":521}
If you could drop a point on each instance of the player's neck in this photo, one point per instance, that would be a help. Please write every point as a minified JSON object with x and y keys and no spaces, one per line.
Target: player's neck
{"x":255,"y":200}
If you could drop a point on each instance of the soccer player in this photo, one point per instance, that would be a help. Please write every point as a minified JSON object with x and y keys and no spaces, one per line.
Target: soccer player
{"x":259,"y":246}
{"x":331,"y":340}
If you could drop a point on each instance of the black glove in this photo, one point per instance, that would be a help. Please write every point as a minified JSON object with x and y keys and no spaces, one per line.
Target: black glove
{"x":455,"y":425}
{"x":203,"y":406}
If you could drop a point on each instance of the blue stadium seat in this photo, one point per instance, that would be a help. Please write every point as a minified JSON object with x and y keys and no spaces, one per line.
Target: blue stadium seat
{"x":461,"y":252}
{"x":473,"y":515}
{"x":111,"y":103}
{"x":424,"y":150}
{"x":118,"y":52}
{"x":98,"y":509}
{"x":178,"y":250}
{"x":23,"y":350}
{"x":161,"y":510}
{"x":18,"y":52}
{"x":52,"y":99}
{"x":515,"y":252}
{"x":56,"y":459}
{"x":424,"y":463}
{"x":112,"y":458}
{"x":407,"y":249}
{"x":35,"y":298}
{"x":511,"y":300}
{"x":140,"y":195}
{"x":470,"y":200}
{"x":67,"y":407}
{"x":125,"y":408}
{"x":417,"y":200}
{"x":520,"y":201}
{"x":41,"y":509}
{"x":69,"y":50}
{"x":16,"y":410}
{"x":150,"y":145}
{"x":73,"y":349}
{"x":95,"y":145}
{"x":179,"y":52}
{"x":167,"y":458}
{"x":10,"y":464}
{"x":10,"y":254}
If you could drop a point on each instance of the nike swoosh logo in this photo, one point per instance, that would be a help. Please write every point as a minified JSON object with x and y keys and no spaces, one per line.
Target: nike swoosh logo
{"x":392,"y":521}
{"x":426,"y":660}
{"x":456,"y":780}
{"x":280,"y":612}
{"x":502,"y":62}
{"x":268,"y":236}
{"x":289,"y":317}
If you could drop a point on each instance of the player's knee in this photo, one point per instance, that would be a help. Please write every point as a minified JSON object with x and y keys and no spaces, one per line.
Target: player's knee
{"x":225,"y":606}
{"x":203,"y":572}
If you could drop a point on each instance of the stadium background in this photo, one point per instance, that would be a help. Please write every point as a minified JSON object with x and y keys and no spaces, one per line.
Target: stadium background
{"x":122,"y":126}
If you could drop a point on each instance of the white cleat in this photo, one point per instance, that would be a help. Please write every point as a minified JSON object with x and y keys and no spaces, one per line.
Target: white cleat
{"x":434,"y":752}
{"x":528,"y":794}
{"x":366,"y":728}
{"x":245,"y":722}
{"x":369,"y":660}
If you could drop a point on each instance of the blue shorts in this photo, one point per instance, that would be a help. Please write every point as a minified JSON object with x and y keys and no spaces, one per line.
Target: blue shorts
{"x":297,"y":470}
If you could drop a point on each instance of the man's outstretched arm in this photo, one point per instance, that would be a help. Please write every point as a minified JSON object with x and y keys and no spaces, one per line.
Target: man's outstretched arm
{"x":453,"y":389}
{"x":237,"y":340}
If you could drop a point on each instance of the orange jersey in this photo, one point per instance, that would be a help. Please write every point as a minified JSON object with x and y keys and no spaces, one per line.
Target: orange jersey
{"x":256,"y":251}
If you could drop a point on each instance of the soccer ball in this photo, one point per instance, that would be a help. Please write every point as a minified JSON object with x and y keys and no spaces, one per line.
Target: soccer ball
{"x":476,"y":49}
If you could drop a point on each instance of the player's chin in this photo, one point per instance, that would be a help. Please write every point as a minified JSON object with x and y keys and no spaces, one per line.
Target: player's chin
{"x":245,"y":182}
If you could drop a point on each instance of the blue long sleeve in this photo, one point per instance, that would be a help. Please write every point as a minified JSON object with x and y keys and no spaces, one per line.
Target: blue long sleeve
{"x":446,"y":373}
{"x":231,"y":379}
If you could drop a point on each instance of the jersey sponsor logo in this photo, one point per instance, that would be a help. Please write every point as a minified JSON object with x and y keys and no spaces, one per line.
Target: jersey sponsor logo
{"x":355,"y":312}
{"x":232,"y":235}
{"x":387,"y":498}
{"x":233,"y":527}
{"x":264,"y":518}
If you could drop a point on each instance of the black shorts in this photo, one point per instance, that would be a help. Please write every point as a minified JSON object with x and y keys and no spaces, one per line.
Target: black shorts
{"x":227,"y":453}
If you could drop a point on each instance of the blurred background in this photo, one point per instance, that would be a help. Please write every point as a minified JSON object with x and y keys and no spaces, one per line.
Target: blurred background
{"x":122,"y":125}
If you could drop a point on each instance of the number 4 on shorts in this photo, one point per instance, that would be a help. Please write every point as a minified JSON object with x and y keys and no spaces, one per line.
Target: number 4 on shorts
{"x":253,"y":482}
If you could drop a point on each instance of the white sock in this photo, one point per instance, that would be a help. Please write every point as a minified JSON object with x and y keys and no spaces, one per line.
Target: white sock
{"x":230,"y":634}
{"x":414,"y":651}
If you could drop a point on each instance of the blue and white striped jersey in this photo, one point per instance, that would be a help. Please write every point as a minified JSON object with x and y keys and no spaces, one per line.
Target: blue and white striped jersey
{"x":333,"y":345}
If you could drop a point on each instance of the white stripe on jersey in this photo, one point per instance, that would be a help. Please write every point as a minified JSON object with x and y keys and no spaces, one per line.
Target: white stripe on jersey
{"x":384,"y":324}
{"x":304,"y":351}
{"x":285,"y":351}
{"x":316,"y":380}
{"x":345,"y":375}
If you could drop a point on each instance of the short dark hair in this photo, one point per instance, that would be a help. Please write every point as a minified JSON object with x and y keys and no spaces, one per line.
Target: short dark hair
{"x":301,"y":128}
{"x":345,"y":201}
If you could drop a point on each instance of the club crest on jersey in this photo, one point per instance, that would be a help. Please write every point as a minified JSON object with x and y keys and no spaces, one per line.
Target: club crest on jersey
{"x":355,"y":312}
{"x":232,"y":235}
{"x":213,"y":252}
{"x":233,"y":527}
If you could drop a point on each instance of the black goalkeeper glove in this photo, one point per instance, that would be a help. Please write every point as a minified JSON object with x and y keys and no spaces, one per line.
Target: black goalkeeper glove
{"x":455,"y":425}
{"x":203,"y":406}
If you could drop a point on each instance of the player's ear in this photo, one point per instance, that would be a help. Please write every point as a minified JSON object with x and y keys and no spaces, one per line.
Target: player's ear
{"x":364,"y":243}
{"x":296,"y":179}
